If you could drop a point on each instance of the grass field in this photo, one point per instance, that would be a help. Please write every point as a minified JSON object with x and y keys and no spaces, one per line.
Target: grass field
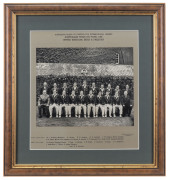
{"x":78,"y":122}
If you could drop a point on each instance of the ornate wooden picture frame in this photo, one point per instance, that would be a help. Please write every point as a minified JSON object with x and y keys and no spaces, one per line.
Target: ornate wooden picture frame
{"x":11,"y":167}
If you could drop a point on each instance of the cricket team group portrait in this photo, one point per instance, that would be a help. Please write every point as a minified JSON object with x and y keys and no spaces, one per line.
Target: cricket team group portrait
{"x":85,"y":86}
{"x":85,"y":100}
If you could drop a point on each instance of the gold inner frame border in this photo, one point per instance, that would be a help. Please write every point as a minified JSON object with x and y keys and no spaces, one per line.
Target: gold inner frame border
{"x":155,"y":87}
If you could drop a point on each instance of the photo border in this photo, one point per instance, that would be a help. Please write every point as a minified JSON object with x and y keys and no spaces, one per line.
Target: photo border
{"x":135,"y":86}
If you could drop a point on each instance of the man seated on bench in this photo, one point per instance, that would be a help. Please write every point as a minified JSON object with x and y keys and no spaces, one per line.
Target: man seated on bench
{"x":43,"y":104}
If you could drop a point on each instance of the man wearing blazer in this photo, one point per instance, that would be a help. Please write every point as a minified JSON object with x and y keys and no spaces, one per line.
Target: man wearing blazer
{"x":73,"y":100}
{"x":54,"y":103}
{"x":117,"y":103}
{"x":75,"y":88}
{"x":102,"y":90}
{"x":129,"y":92}
{"x":54,"y":88}
{"x":82,"y":101}
{"x":45,"y":87}
{"x":108,"y":104}
{"x":127,"y":106}
{"x":100,"y":104}
{"x":93,"y":88}
{"x":110,"y":89}
{"x":64,"y":88}
{"x":91,"y":103}
{"x":64,"y":103}
{"x":85,"y":88}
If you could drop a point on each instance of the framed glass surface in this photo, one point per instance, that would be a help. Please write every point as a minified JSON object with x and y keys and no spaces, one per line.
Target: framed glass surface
{"x":108,"y":44}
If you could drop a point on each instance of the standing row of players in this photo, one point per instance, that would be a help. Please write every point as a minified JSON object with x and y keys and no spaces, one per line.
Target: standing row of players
{"x":88,"y":99}
{"x":85,"y":88}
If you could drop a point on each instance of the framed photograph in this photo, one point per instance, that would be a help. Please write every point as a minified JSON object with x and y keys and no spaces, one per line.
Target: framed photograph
{"x":84,"y":89}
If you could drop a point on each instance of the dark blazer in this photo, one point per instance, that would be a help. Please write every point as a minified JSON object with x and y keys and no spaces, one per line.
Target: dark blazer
{"x":76,"y":90}
{"x":111,"y":91}
{"x":103,"y":91}
{"x":91,"y":100}
{"x":100,"y":100}
{"x":126,"y":101}
{"x":66,"y":89}
{"x":73,"y":100}
{"x":129,"y":92}
{"x":54,"y":99}
{"x":64,"y":100}
{"x":120,"y":92}
{"x":94,"y":90}
{"x":85,"y":90}
{"x":82,"y":100}
{"x":107,"y":100}
{"x":57,"y":90}
{"x":117,"y":101}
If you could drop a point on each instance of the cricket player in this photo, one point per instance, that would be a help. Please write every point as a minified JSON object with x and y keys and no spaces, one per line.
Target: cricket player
{"x":102,"y":90}
{"x":117,"y":90}
{"x":108,"y":104}
{"x":64,"y":103}
{"x":93,"y":88}
{"x":82,"y":101}
{"x":45,"y":87}
{"x":73,"y":103}
{"x":85,"y":88}
{"x":55,"y":88}
{"x":54,"y":103}
{"x":100,"y":104}
{"x":91,"y":104}
{"x":64,"y":88}
{"x":110,"y":89}
{"x":117,"y":103}
{"x":75,"y":88}
{"x":128,"y":91}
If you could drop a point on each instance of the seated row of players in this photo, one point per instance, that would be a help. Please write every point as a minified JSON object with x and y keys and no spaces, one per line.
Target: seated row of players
{"x":87,"y":103}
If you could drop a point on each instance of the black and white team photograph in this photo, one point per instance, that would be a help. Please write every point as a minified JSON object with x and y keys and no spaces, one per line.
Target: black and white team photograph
{"x":79,"y":87}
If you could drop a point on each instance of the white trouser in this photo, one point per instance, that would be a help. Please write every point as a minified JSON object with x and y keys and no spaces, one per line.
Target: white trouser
{"x":80,"y":107}
{"x":117,"y":106}
{"x":89,"y":107}
{"x":101,"y":107}
{"x":56,"y":106}
{"x":106,"y":106}
{"x":66,"y":106}
{"x":70,"y":108}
